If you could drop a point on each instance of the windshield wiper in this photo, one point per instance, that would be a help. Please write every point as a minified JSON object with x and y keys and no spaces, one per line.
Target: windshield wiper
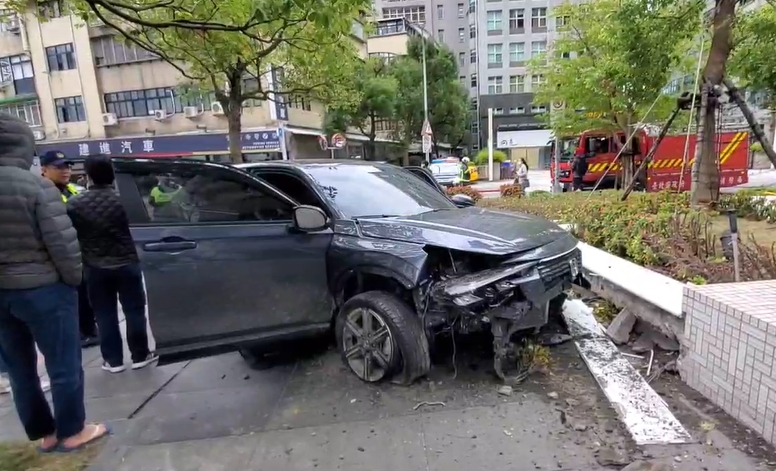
{"x":374,"y":216}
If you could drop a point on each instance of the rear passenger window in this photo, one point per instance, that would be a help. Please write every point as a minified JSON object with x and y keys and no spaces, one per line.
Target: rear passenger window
{"x":206,"y":196}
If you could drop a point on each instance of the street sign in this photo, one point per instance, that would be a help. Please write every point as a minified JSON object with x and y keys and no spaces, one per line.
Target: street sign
{"x":323,"y":143}
{"x":558,"y":105}
{"x":427,"y":143}
{"x":426,"y":129}
{"x":338,"y":141}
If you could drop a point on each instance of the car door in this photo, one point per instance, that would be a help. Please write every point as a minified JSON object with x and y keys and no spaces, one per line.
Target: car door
{"x":222,"y":263}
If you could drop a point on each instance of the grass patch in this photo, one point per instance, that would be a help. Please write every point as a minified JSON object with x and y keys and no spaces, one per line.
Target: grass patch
{"x":604,"y":312}
{"x":25,"y":457}
{"x":761,"y":231}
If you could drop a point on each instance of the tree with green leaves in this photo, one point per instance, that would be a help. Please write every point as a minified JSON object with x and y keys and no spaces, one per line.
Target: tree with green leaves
{"x":408,"y":108}
{"x":751,"y":60}
{"x":612,"y":59}
{"x":376,"y":102}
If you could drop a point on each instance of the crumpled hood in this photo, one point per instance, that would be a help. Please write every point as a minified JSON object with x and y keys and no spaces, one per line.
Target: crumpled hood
{"x":17,"y":144}
{"x":468,"y":229}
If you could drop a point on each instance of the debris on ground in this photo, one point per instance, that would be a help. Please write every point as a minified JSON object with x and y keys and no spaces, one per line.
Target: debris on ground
{"x":645,"y":466}
{"x":572,"y":422}
{"x":552,"y":339}
{"x":426,"y":403}
{"x":604,"y":311}
{"x":552,"y":395}
{"x":607,"y":456}
{"x":505,"y":390}
{"x":620,"y":328}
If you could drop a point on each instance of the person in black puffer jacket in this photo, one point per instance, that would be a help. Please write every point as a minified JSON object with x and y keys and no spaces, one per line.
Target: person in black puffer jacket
{"x":40,"y":269}
{"x":111,"y":267}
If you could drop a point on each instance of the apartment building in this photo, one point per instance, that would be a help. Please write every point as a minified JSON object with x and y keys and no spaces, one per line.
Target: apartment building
{"x":84,"y":91}
{"x":493,"y":40}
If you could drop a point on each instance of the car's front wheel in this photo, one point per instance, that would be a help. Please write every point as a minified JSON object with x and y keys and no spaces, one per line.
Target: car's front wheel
{"x":378,"y":335}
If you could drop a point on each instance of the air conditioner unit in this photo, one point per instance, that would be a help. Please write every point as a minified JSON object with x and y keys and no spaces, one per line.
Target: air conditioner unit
{"x":109,"y":119}
{"x":38,"y":134}
{"x":217,"y":109}
{"x":13,"y":25}
{"x":160,"y":114}
{"x":190,"y":111}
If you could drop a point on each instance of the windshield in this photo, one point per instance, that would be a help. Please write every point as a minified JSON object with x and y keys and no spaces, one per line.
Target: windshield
{"x":376,"y":190}
{"x":567,"y":148}
{"x":446,"y":168}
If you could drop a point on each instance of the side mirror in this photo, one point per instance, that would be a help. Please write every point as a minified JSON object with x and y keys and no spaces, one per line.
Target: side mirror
{"x":309,"y":219}
{"x":462,"y":201}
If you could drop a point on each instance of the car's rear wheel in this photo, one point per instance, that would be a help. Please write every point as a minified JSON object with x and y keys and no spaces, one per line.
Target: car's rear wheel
{"x":378,"y":334}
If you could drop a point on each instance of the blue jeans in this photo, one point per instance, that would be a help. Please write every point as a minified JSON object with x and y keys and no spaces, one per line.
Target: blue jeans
{"x":46,"y":316}
{"x":107,"y":286}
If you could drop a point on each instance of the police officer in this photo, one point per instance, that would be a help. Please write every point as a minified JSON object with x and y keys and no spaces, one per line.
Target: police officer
{"x":464,"y":173}
{"x":58,"y":169}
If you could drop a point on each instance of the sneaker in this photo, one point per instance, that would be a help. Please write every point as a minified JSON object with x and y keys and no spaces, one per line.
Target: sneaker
{"x":151,"y":358}
{"x":5,"y":385}
{"x":112,"y":369}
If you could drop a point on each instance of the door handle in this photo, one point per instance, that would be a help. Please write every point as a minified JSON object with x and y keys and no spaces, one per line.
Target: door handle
{"x":176,"y":246}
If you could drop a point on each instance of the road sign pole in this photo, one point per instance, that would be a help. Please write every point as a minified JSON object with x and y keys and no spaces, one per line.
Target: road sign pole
{"x":490,"y":144}
{"x":427,"y":151}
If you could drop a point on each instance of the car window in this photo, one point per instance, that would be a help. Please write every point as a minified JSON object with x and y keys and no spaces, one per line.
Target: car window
{"x":206,"y":195}
{"x":291,"y":186}
{"x":361,"y":190}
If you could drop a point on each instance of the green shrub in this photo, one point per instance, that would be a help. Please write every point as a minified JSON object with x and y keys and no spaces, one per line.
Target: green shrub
{"x":482,"y":157}
{"x":464,"y":190}
{"x":756,"y":147}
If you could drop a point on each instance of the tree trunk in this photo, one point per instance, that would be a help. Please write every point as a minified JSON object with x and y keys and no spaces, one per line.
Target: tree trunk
{"x":371,"y":148}
{"x":705,"y":172}
{"x":233,"y":109}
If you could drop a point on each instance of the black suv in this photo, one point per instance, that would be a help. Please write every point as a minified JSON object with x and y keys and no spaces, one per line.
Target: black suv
{"x":247,"y":255}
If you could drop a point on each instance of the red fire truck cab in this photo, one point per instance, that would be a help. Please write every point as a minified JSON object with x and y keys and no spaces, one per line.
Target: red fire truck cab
{"x":599,"y":151}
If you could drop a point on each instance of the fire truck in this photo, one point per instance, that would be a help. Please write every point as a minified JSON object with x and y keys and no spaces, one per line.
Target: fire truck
{"x":599,"y":151}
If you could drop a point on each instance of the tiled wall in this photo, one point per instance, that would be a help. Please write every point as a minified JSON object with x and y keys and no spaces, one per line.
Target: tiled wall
{"x":728,"y":349}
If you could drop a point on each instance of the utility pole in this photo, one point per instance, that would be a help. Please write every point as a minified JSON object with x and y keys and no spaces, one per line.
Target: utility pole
{"x":490,"y":144}
{"x":426,"y":140}
{"x":556,"y":165}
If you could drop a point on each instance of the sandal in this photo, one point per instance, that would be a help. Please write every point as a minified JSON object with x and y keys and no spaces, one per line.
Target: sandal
{"x":49,"y":449}
{"x":100,"y":431}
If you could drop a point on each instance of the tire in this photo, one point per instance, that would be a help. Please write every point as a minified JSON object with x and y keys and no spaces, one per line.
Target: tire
{"x":405,"y":351}
{"x":555,"y":310}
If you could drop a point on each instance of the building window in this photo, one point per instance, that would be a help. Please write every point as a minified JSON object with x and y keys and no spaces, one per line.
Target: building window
{"x":539,"y":17}
{"x":441,"y":12}
{"x":495,"y":85}
{"x":565,"y":55}
{"x":142,"y":103}
{"x":536,"y":81}
{"x":29,"y":112}
{"x":474,"y":81}
{"x":108,"y":50}
{"x":461,"y":59}
{"x":516,"y":52}
{"x":461,"y":10}
{"x":472,"y":31}
{"x":516,"y":84}
{"x":517,"y":18}
{"x":461,"y":35}
{"x":473,"y":56}
{"x":538,"y":109}
{"x":6,"y":15}
{"x":462,"y":79}
{"x":51,"y":9}
{"x":561,"y":21}
{"x":441,"y":35}
{"x":70,"y":109}
{"x":494,"y":20}
{"x":299,"y":102}
{"x":412,"y":14}
{"x":495,"y":54}
{"x":518,"y":110}
{"x":498,"y":111}
{"x":538,"y":48}
{"x":472,"y":6}
{"x":17,"y":70}
{"x":385,"y":125}
{"x":474,"y":103}
{"x":60,"y":57}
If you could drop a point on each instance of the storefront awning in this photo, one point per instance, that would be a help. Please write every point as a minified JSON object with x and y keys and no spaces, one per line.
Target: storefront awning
{"x":513,"y":139}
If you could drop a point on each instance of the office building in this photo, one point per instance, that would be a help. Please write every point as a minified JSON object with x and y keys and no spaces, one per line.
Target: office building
{"x":84,"y":91}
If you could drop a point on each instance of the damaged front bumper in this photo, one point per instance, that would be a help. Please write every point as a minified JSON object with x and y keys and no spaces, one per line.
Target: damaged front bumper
{"x":519,"y":292}
{"x":509,"y":298}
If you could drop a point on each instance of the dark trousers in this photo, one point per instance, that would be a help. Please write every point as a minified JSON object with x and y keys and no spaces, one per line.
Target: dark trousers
{"x":106,"y":287}
{"x":47,"y":317}
{"x":577,"y":183}
{"x":86,"y":321}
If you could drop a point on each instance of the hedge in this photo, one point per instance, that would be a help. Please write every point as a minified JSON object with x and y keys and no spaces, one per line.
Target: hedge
{"x":656,"y":230}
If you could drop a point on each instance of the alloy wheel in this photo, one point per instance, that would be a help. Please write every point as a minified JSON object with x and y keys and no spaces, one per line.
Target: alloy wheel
{"x":367,"y":344}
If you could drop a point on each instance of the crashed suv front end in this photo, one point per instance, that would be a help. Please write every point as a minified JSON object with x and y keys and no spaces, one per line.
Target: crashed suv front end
{"x":515,"y":293}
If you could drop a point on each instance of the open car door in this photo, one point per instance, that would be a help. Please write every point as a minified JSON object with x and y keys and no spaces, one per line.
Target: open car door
{"x":426,"y":175}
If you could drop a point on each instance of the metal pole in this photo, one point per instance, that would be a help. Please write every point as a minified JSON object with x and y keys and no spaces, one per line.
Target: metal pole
{"x":556,"y":163}
{"x":733,"y":222}
{"x":490,"y":144}
{"x":425,"y":94}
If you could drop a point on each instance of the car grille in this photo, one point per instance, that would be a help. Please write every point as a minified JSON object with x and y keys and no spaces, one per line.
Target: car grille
{"x":556,"y":269}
